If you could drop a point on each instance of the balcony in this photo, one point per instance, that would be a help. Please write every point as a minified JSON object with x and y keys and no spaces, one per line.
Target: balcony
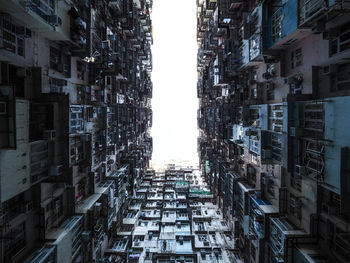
{"x":44,"y":16}
{"x":282,"y":28}
{"x":121,"y":245}
{"x":46,"y":253}
{"x":169,"y":217}
{"x":183,"y":246}
{"x":280,"y":231}
{"x":167,"y":246}
{"x":260,"y":210}
{"x":7,"y":117}
{"x":311,"y":11}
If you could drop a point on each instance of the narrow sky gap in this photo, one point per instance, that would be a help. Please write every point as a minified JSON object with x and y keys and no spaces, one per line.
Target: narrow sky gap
{"x":174,"y":78}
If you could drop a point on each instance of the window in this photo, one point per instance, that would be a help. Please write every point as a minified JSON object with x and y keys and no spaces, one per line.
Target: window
{"x":252,"y":251}
{"x":143,"y":223}
{"x":55,"y":58}
{"x":295,"y":181}
{"x":120,"y":245}
{"x":60,"y":62}
{"x":14,"y":241}
{"x":203,"y":238}
{"x":277,"y":18}
{"x":295,"y":206}
{"x":270,"y":188}
{"x":207,"y":256}
{"x":12,"y":40}
{"x":296,"y":58}
{"x":270,"y":92}
{"x":341,"y":42}
{"x":81,"y":71}
{"x":76,"y":119}
{"x":341,"y":80}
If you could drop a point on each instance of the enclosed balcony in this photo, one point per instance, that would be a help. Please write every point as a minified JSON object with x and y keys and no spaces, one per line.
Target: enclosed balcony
{"x":7,"y":117}
{"x":311,"y":10}
{"x":282,"y":24}
{"x":280,"y":231}
{"x":48,"y":17}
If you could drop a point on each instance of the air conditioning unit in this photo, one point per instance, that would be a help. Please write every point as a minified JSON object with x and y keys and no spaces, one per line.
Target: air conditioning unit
{"x":319,"y":27}
{"x":292,"y":202}
{"x":3,"y":107}
{"x":106,"y":44}
{"x":295,"y":131}
{"x":299,"y":169}
{"x":60,"y":67}
{"x":63,"y":82}
{"x":270,"y":86}
{"x":49,"y":134}
{"x":101,"y":23}
{"x":65,"y":69}
{"x":86,"y":236}
{"x":55,"y":89}
{"x":43,"y":6}
{"x":56,"y":170}
{"x":85,"y":137}
{"x":54,"y":20}
{"x":248,"y":132}
{"x":251,"y":82}
{"x":97,"y":207}
{"x":330,"y":69}
{"x":57,"y":205}
{"x":330,"y":210}
{"x":21,"y":72}
{"x":266,"y":153}
{"x":206,"y":244}
{"x":28,"y":207}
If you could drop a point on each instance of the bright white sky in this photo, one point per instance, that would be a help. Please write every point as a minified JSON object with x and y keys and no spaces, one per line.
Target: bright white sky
{"x":174,"y":78}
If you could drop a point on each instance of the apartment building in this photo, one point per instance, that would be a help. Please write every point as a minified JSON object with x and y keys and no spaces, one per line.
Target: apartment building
{"x":171,"y":218}
{"x":75,"y":113}
{"x":273,"y":87}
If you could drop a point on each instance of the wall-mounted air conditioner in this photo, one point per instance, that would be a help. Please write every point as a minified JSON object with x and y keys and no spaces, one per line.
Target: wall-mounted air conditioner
{"x":330,"y":69}
{"x":292,"y":202}
{"x":330,"y":210}
{"x":28,"y":207}
{"x":265,"y":153}
{"x":63,"y":82}
{"x":86,"y":236}
{"x":55,"y":89}
{"x":106,"y":44}
{"x":299,"y":169}
{"x":56,"y":170}
{"x":54,"y":20}
{"x":3,"y":107}
{"x":295,"y":131}
{"x":97,"y":207}
{"x":85,"y":137}
{"x":49,"y":134}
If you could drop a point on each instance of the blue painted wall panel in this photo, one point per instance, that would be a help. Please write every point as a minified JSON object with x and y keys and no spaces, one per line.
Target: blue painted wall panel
{"x":337,"y":130}
{"x":290,"y":19}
